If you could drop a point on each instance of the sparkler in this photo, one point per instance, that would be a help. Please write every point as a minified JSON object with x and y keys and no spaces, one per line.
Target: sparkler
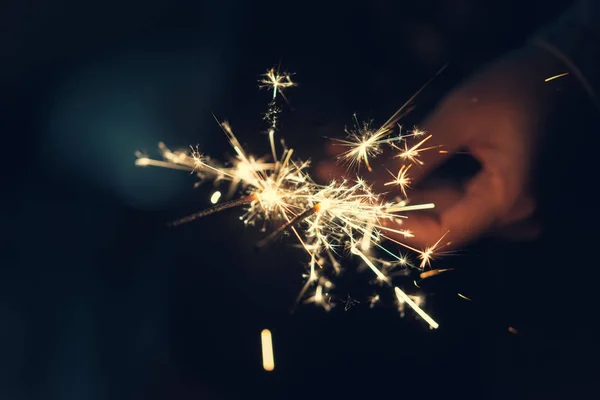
{"x":328,"y":221}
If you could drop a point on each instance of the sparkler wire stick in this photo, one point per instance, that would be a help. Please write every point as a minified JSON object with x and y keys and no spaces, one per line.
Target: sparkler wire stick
{"x":215,"y":209}
{"x":296,"y":220}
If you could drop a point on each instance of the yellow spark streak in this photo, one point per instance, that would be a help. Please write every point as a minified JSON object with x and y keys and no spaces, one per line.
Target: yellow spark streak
{"x":399,"y":242}
{"x":312,"y":254}
{"x":404,"y":297}
{"x":556,"y":77}
{"x":267,"y":350}
{"x":401,"y":111}
{"x":462,"y":296}
{"x":215,"y":197}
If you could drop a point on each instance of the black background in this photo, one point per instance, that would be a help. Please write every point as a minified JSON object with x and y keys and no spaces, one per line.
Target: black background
{"x":100,"y":300}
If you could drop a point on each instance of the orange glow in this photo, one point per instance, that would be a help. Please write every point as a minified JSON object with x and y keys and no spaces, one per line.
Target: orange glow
{"x":433,"y":272}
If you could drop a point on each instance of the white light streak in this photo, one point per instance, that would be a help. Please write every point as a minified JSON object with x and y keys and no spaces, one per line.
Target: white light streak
{"x":268,"y":358}
{"x":403,"y":297}
{"x":214,"y":199}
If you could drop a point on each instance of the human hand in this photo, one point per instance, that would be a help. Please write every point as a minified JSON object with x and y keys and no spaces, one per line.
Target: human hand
{"x":495,"y":117}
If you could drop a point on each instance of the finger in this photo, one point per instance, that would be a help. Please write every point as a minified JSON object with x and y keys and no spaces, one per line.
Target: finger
{"x":472,"y":214}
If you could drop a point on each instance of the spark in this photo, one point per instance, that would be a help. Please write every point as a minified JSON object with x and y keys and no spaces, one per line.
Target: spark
{"x":363,"y":142}
{"x":404,"y":298}
{"x":377,"y":272}
{"x":320,"y":298}
{"x":268,"y":358}
{"x":427,"y":255}
{"x":373,"y":300}
{"x":434,"y":272}
{"x":276,"y":81}
{"x":462,"y":296}
{"x":349,"y":302}
{"x":457,"y":152}
{"x":401,"y":179}
{"x":403,"y":260}
{"x":416,"y":132}
{"x":326,"y":220}
{"x":214,"y":198}
{"x":556,"y":77}
{"x":412,"y":153}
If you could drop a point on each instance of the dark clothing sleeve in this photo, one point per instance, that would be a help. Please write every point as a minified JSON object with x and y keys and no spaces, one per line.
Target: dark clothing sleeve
{"x":575,"y":39}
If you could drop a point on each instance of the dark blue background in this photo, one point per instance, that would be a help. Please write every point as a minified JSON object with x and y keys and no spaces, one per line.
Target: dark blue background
{"x":99,"y":300}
